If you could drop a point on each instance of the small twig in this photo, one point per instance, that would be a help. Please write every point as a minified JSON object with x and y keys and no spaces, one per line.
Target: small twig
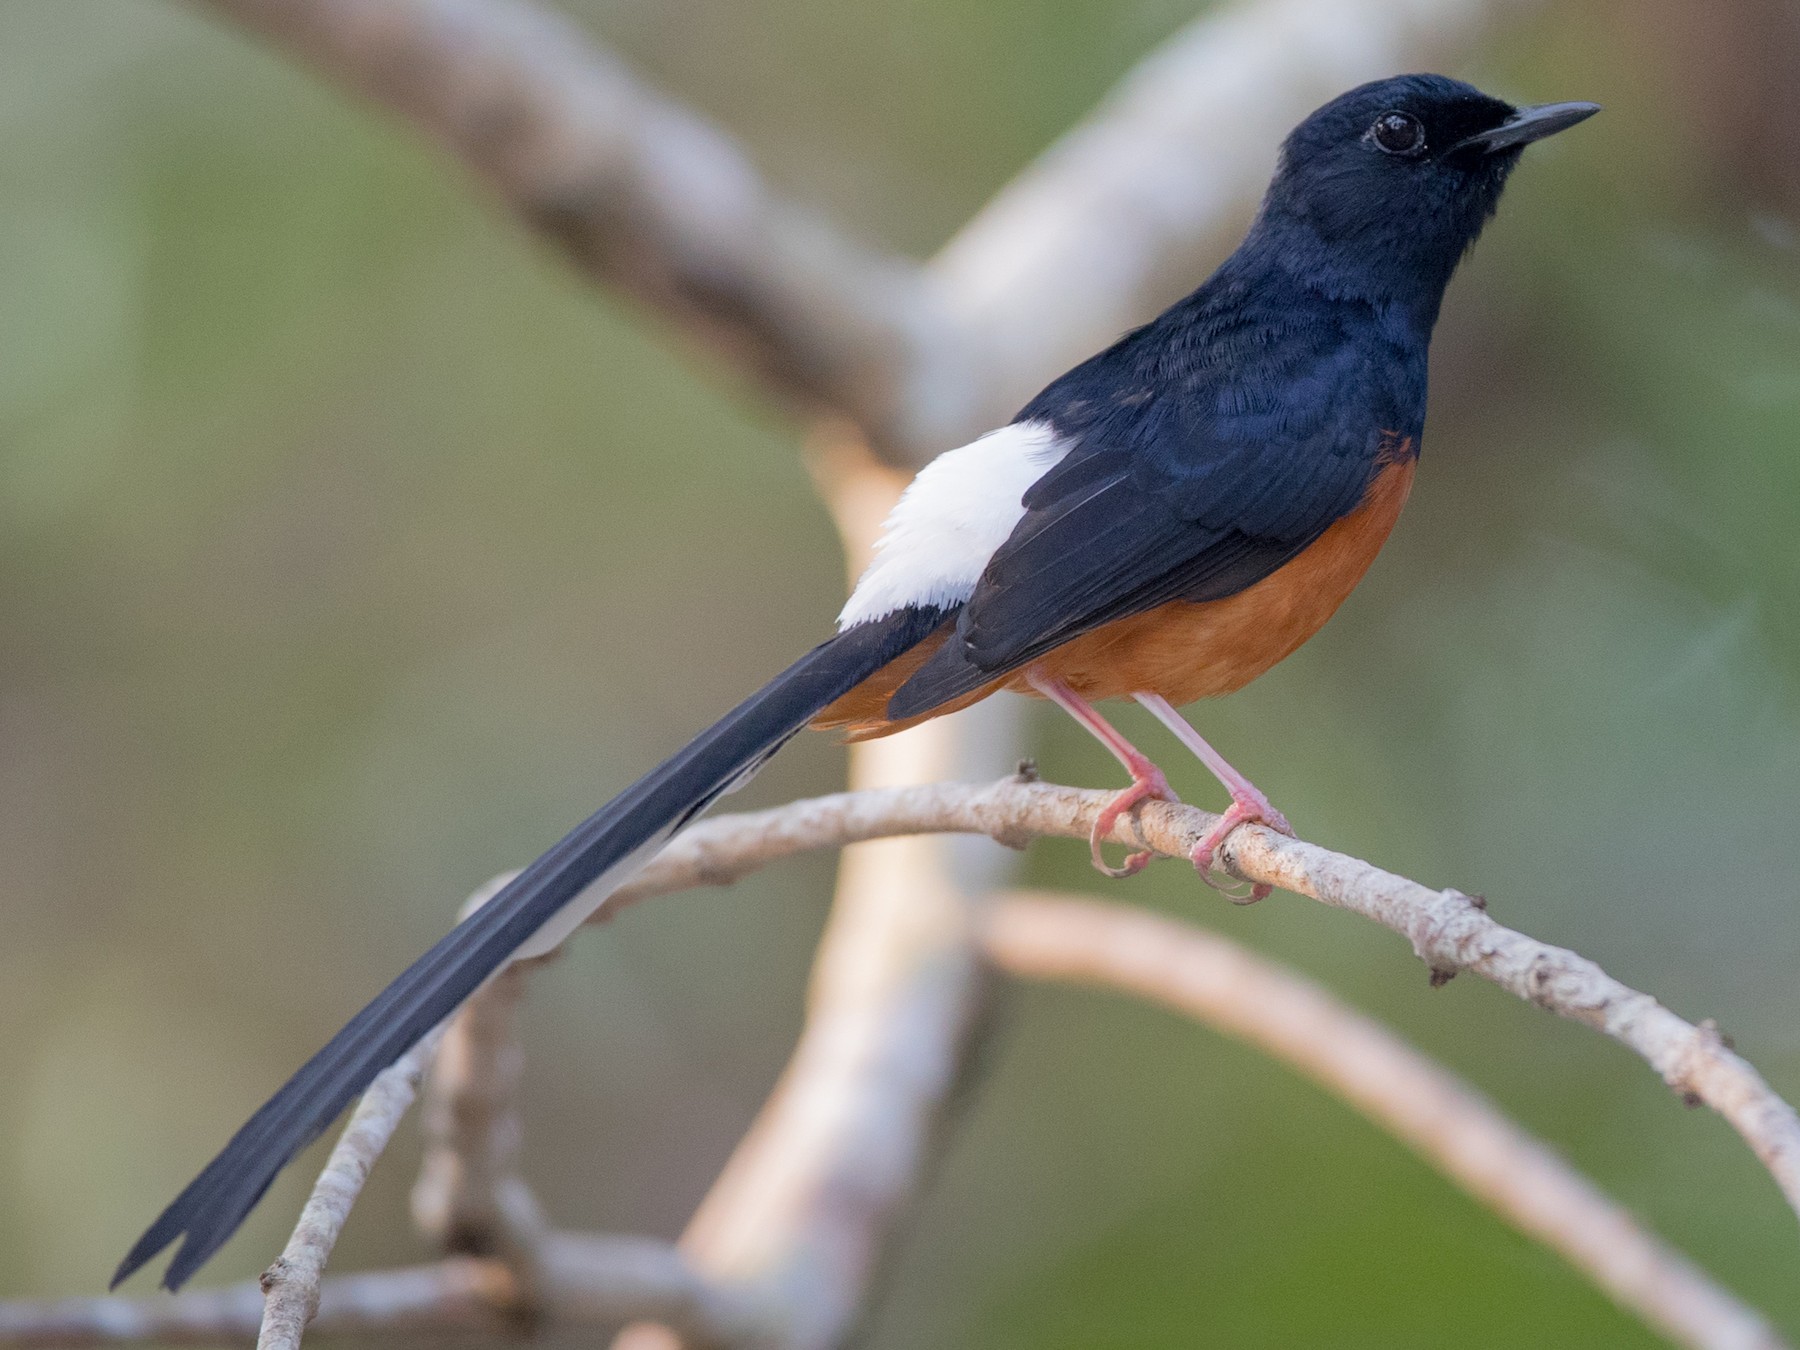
{"x":291,"y":1285}
{"x":469,"y":1197}
{"x":1446,"y":1122}
{"x":1448,"y":930}
{"x":587,"y":1280}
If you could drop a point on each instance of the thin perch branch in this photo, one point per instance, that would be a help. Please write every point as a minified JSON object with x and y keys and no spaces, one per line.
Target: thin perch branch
{"x":1446,"y":1122}
{"x":586,"y":1281}
{"x":1449,"y":931}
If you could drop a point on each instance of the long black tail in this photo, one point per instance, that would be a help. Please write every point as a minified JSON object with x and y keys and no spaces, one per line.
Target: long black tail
{"x":620,"y":836}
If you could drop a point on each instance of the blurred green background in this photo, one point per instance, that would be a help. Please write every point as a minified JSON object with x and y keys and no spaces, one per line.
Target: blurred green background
{"x":350,"y":548}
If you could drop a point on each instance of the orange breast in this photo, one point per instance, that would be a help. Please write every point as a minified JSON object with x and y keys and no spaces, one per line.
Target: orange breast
{"x":1185,"y":651}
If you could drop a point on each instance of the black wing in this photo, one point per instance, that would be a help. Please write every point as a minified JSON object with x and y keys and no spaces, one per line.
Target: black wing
{"x":1163,"y":496}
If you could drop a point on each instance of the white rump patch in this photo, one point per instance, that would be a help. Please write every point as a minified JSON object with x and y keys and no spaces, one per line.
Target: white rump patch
{"x":950,"y":520}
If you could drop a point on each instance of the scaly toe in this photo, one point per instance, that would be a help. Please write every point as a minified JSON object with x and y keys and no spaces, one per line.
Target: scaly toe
{"x":1145,"y":788}
{"x":1256,"y":810}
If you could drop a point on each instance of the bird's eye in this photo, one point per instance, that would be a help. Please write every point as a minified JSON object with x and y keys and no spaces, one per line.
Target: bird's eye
{"x":1398,"y":133}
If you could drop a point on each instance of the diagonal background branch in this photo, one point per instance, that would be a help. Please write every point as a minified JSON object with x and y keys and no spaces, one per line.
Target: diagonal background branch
{"x":1452,"y":1127}
{"x":644,"y":196}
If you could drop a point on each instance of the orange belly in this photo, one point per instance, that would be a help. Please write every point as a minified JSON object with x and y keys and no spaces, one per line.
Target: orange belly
{"x":1182,"y":651}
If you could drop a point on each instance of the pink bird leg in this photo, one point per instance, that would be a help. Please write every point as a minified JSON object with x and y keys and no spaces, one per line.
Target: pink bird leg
{"x":1147,"y":781}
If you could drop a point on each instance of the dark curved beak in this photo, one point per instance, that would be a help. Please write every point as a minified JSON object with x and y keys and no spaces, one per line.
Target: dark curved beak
{"x":1530,"y":124}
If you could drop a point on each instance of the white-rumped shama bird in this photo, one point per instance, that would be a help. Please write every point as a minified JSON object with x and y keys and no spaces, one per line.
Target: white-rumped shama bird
{"x":1163,"y":523}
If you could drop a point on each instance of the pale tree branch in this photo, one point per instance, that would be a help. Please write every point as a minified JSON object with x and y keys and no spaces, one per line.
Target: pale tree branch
{"x":291,"y":1284}
{"x":585,"y":1280}
{"x":812,"y":1193}
{"x":604,"y":1280}
{"x":1450,"y":1125}
{"x":816,"y":1189}
{"x":1449,"y":931}
{"x":644,"y":196}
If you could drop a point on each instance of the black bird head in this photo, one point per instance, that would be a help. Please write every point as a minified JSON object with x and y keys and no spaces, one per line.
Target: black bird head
{"x":1380,"y":192}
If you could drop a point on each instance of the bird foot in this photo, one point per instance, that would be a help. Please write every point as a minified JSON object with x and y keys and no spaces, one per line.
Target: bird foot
{"x":1248,"y":807}
{"x":1147,"y":785}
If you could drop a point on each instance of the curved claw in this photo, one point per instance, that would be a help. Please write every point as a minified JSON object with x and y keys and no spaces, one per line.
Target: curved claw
{"x":1149,"y":785}
{"x":1245,"y":809}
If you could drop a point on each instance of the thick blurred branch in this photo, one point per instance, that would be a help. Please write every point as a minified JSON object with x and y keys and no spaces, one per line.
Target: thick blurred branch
{"x":1449,"y":1124}
{"x":642,"y":194}
{"x":810,"y":1196}
{"x":645,"y":196}
{"x":815,"y":1191}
